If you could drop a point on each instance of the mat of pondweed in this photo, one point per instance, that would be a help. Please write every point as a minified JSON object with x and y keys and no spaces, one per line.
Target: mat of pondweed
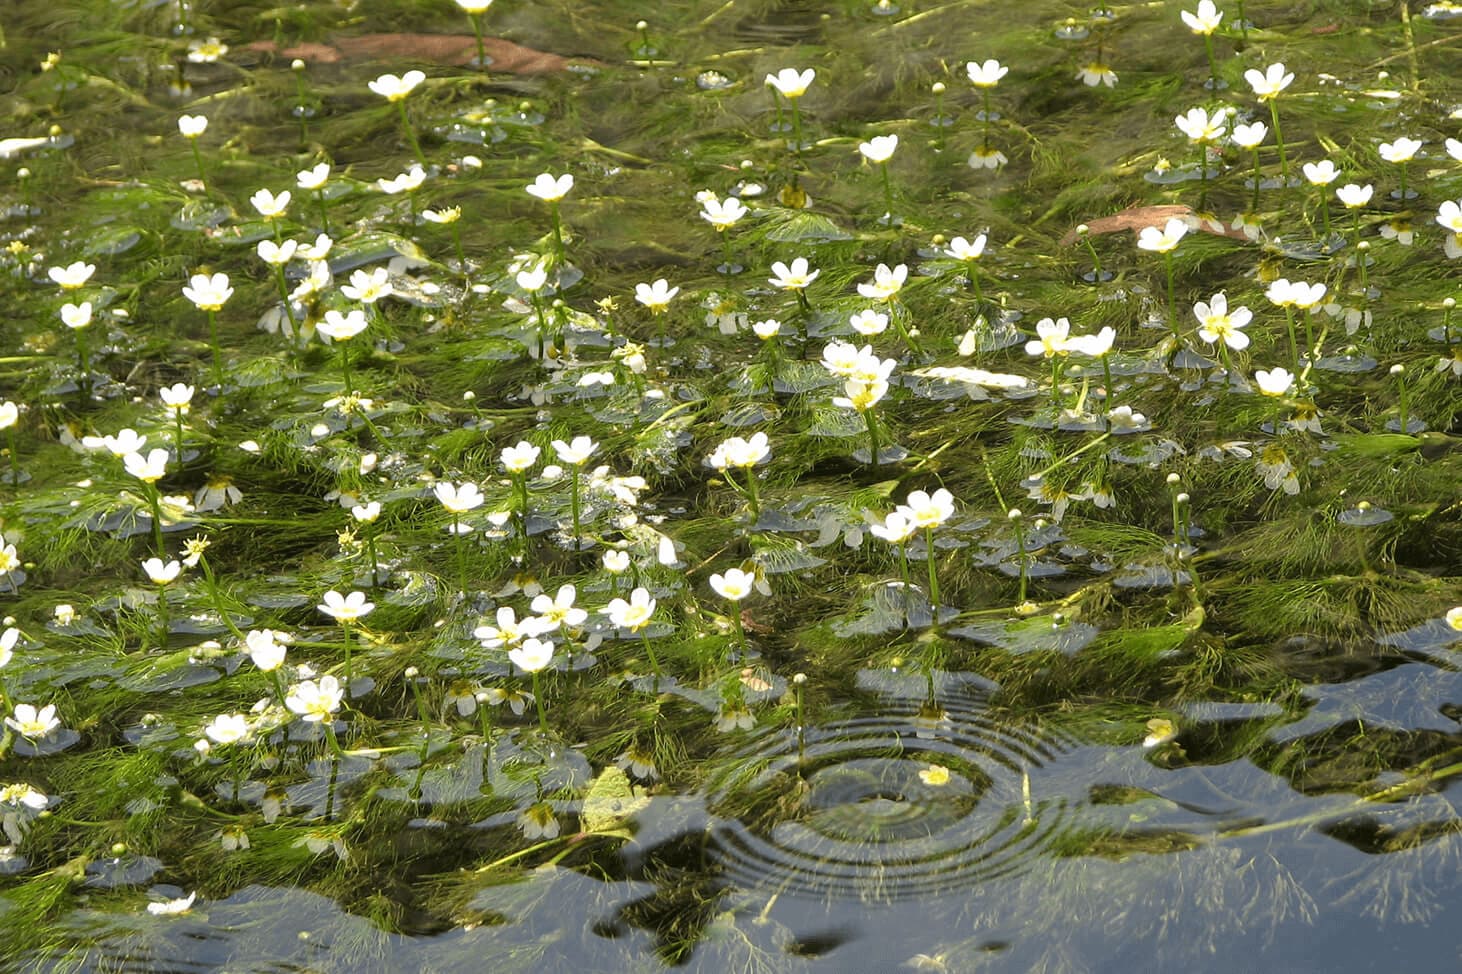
{"x":875,"y":571}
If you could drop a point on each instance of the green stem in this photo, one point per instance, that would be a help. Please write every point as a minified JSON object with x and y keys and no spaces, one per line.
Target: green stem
{"x":650,"y":652}
{"x":1279,"y":140}
{"x":198,"y":161}
{"x":335,"y":748}
{"x":1172,"y":303}
{"x":558,"y":246}
{"x":1403,"y":401}
{"x":477,"y":29}
{"x":887,"y":192}
{"x":14,"y":460}
{"x":538,"y":699}
{"x":1294,"y":352}
{"x":348,"y":668}
{"x":796,"y":128}
{"x":345,"y":366}
{"x":753,"y":494}
{"x":324,"y":210}
{"x":1310,"y":351}
{"x":155,"y":501}
{"x":740,"y":626}
{"x":872,"y":422}
{"x":217,"y":355}
{"x":1254,"y":206}
{"x":574,"y":505}
{"x":986,"y":117}
{"x":1055,"y":385}
{"x":83,"y":354}
{"x":1212,"y":64}
{"x":410,"y":133}
{"x":1107,"y":379}
{"x":461,"y":554}
{"x":933,"y":577}
{"x":375,"y":562}
{"x":284,"y":296}
{"x":1020,"y":547}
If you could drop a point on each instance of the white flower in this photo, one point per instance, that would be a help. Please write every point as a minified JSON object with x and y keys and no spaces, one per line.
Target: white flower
{"x":961,"y":249}
{"x":206,"y":52}
{"x":861,"y":395}
{"x":1278,"y":472}
{"x":392,"y":88}
{"x":741,"y":453}
{"x":538,"y":822}
{"x":1217,"y":324}
{"x":1449,"y":216}
{"x":1269,"y":84}
{"x":313,"y":178}
{"x":986,"y":75}
{"x":1402,"y":150}
{"x":1206,"y":20}
{"x":192,"y":126}
{"x":926,"y":511}
{"x":1124,"y":419}
{"x":1321,"y":173}
{"x":1199,"y":126}
{"x":1304,"y":295}
{"x":345,"y":608}
{"x":1276,"y":382}
{"x":520,"y":457}
{"x":270,"y":206}
{"x":405,"y":182}
{"x":459,"y":500}
{"x":277,"y":254}
{"x":1250,"y":136}
{"x":149,"y":469}
{"x":31,"y":723}
{"x":633,"y":615}
{"x":986,"y":158}
{"x":575,"y":452}
{"x":616,"y":562}
{"x":368,"y":288}
{"x":1165,"y":240}
{"x":790,"y":82}
{"x":532,"y":280}
{"x":1095,"y":73}
{"x":340,"y":327}
{"x":722,"y":214}
{"x":560,"y":609}
{"x":766,"y":330}
{"x":869,"y":322}
{"x":7,"y":645}
{"x":208,"y":292}
{"x":1052,"y":338}
{"x":880,"y":148}
{"x":474,"y":6}
{"x":508,"y":631}
{"x":1094,"y":345}
{"x":168,"y":908}
{"x":366,"y":513}
{"x":1454,"y":618}
{"x":734,"y":585}
{"x":264,"y":649}
{"x":1354,"y":196}
{"x":162,"y":573}
{"x":886,"y":282}
{"x":76,"y":315}
{"x":792,"y":278}
{"x":313,"y":701}
{"x":227,"y":729}
{"x":72,"y":276}
{"x":551,"y":188}
{"x":533,"y":655}
{"x":895,"y":528}
{"x":655,"y":296}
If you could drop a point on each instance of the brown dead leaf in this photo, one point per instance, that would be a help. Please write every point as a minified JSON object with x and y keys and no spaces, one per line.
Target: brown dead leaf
{"x":1134,"y":218}
{"x":455,"y":49}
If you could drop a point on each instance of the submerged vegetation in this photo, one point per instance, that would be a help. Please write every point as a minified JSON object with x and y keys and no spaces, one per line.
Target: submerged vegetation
{"x":748,"y":487}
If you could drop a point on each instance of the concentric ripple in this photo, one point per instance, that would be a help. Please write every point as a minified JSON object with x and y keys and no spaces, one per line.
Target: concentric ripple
{"x":929,"y":795}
